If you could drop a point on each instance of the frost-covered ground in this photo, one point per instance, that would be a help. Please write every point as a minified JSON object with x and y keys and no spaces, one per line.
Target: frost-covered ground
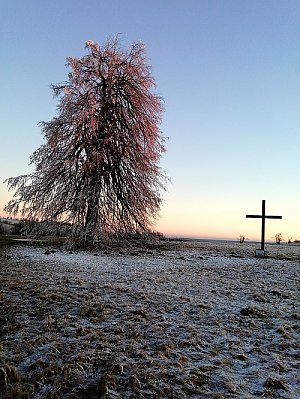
{"x":197,"y":321}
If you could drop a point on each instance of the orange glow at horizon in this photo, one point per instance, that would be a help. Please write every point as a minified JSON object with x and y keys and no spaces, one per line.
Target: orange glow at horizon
{"x":210,"y":220}
{"x":222,"y":221}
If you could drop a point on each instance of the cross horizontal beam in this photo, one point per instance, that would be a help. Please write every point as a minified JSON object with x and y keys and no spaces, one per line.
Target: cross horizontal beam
{"x":264,"y":216}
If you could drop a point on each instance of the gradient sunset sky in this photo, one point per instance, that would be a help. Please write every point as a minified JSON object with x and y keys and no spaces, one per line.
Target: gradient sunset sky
{"x":229,"y":72}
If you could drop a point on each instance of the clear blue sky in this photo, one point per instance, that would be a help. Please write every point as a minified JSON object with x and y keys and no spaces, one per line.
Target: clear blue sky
{"x":229,"y":72}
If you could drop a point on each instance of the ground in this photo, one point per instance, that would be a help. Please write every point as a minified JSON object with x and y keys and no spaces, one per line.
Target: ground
{"x":199,"y":320}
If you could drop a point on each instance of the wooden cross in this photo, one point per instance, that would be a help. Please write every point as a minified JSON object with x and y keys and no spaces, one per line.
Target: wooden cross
{"x":263,"y":218}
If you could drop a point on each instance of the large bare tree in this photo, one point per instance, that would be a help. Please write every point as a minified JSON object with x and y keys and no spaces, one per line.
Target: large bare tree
{"x":99,"y":166}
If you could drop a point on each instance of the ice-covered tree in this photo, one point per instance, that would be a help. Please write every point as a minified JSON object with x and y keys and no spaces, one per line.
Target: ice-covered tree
{"x":98,"y":168}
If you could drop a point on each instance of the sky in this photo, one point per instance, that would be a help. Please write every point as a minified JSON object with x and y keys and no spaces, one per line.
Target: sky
{"x":229,"y":73}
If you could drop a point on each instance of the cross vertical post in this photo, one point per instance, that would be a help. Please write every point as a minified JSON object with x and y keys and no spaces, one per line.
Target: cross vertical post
{"x":263,"y":224}
{"x":263,"y":218}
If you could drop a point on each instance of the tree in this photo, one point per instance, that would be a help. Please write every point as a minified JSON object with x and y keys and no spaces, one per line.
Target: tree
{"x":99,"y":166}
{"x":278,"y":238}
{"x":242,"y":239}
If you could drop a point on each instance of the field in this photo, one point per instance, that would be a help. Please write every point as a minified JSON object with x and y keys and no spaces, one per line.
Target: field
{"x":182,"y":320}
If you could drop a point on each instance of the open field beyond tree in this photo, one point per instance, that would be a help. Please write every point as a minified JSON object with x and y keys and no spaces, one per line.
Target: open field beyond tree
{"x":196,"y":320}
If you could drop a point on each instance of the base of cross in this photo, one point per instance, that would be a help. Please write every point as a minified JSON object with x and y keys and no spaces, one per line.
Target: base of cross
{"x":260,"y":253}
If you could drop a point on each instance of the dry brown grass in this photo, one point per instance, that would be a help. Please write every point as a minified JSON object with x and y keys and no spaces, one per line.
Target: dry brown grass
{"x":191,"y":323}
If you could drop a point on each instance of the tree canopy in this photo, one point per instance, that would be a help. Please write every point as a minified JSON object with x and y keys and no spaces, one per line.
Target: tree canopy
{"x":98,"y":168}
